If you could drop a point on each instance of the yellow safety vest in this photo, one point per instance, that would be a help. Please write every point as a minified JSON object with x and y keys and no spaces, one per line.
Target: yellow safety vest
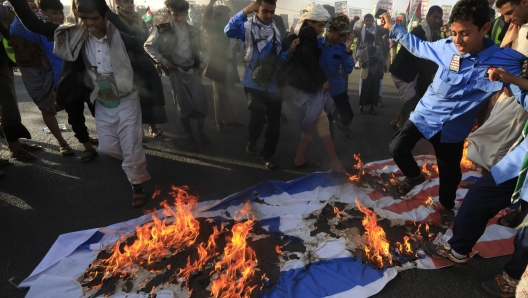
{"x":9,"y":51}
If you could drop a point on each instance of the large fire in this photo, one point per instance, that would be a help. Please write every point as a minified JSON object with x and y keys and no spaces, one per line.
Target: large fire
{"x":377,"y":247}
{"x":156,"y":240}
{"x":237,"y":267}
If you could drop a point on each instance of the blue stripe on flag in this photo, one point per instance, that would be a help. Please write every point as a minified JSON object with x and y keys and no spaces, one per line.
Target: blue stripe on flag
{"x":96,"y":237}
{"x":324,"y":278}
{"x":272,"y":187}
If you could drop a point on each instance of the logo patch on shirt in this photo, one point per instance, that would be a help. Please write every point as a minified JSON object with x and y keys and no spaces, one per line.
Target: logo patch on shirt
{"x":455,"y":63}
{"x":489,"y":71}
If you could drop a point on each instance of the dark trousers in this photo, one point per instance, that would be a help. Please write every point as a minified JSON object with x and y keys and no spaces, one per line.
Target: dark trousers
{"x":264,"y":107}
{"x":343,"y":109}
{"x":76,"y":119}
{"x":10,"y":120}
{"x":482,"y":202}
{"x":448,"y":156}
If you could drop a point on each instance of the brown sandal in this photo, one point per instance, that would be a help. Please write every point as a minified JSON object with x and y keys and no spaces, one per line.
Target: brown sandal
{"x":89,"y":155}
{"x":66,"y":150}
{"x":405,"y":186}
{"x":22,"y":155}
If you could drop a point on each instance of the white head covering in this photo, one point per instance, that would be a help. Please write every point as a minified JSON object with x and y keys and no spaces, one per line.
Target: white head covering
{"x":313,"y":12}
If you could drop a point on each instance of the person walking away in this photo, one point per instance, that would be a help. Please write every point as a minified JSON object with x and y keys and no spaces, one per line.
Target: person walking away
{"x":336,"y":56}
{"x":152,"y":99}
{"x":263,"y":47}
{"x":177,"y":47}
{"x":36,"y":68}
{"x":372,"y":64}
{"x":222,"y":66}
{"x":306,"y":86}
{"x":446,"y":113}
{"x":412,"y":75}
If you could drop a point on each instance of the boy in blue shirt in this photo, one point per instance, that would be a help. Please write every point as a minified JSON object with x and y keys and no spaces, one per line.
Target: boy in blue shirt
{"x":336,"y":54}
{"x":446,"y":113}
{"x":38,"y":80}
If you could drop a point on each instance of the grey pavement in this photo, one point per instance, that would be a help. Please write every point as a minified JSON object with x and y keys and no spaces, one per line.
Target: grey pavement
{"x":53,"y":195}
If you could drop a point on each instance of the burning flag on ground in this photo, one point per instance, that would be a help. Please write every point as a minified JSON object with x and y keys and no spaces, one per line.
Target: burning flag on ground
{"x":315,"y":226}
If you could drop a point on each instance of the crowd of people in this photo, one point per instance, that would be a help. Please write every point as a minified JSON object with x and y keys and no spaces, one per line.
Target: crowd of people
{"x":452,"y":79}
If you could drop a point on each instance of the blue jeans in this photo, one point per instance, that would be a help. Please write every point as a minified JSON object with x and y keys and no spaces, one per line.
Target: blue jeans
{"x":483,"y":201}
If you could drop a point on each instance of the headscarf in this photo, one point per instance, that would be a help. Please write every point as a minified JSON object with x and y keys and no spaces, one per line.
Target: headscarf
{"x":313,"y":12}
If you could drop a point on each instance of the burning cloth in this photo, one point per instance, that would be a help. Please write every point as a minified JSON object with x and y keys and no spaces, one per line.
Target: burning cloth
{"x":324,"y":268}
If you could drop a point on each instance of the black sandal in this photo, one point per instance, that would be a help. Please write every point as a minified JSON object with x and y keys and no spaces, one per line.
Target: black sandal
{"x":269,"y":163}
{"x":251,"y":149}
{"x":348,"y":133}
{"x":360,"y":110}
{"x":139,"y":198}
{"x":371,"y":110}
{"x":22,"y":155}
{"x":89,"y":155}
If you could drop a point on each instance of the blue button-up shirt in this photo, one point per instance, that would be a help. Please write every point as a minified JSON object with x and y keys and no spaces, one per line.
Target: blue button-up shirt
{"x":235,"y":29}
{"x":454,"y":99}
{"x":332,"y":59}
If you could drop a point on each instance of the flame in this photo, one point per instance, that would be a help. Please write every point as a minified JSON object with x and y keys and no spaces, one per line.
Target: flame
{"x":465,"y":162}
{"x":359,"y":163}
{"x":157,"y":239}
{"x":278,"y":250}
{"x":393,"y":179}
{"x":156,"y":193}
{"x":427,"y":228}
{"x":236,"y":268}
{"x":354,"y":178}
{"x":205,"y":253}
{"x":407,"y":245}
{"x":377,"y":247}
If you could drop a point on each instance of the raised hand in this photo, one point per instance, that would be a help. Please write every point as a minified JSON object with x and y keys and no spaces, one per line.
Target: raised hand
{"x":386,"y":21}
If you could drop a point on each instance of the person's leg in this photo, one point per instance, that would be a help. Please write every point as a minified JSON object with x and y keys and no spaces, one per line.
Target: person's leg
{"x":321,"y":126}
{"x":400,"y":149}
{"x":300,"y":156}
{"x":53,"y":125}
{"x":204,"y":140}
{"x":186,"y":123}
{"x":516,"y":266}
{"x":75,"y":111}
{"x":273,"y":104}
{"x":482,"y":202}
{"x":107,"y":125}
{"x":130,"y":142}
{"x":448,"y":157}
{"x":257,"y":109}
{"x":218,"y":98}
{"x":344,"y":109}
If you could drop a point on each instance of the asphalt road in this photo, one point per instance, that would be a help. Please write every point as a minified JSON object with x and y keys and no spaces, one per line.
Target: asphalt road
{"x":53,"y":195}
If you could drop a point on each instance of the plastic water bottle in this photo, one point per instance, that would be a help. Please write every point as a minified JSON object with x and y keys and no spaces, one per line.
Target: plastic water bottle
{"x":46,"y":130}
{"x":62,"y":127}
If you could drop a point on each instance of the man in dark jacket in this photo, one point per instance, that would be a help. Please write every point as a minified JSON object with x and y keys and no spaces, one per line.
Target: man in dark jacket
{"x":117,"y":72}
{"x":413,"y":75}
